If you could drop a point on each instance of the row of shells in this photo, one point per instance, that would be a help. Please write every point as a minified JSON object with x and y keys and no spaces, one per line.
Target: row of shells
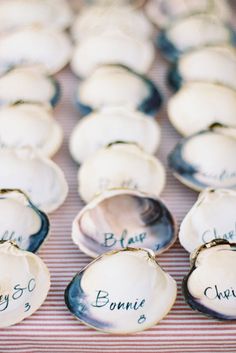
{"x":120,"y":179}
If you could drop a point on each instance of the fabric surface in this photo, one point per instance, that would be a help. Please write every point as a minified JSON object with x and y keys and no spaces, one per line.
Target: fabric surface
{"x":53,"y":329}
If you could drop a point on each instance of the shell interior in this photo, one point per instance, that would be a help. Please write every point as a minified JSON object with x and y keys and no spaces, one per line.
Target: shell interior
{"x":206,"y":159}
{"x":210,"y":286}
{"x":178,"y":37}
{"x":143,"y":222}
{"x":211,"y":64}
{"x":24,"y":285}
{"x":117,"y":85}
{"x":101,"y":128}
{"x":21,"y":221}
{"x":121,"y":292}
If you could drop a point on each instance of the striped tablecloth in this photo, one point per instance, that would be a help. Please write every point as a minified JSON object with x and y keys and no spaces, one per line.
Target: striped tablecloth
{"x":53,"y":329}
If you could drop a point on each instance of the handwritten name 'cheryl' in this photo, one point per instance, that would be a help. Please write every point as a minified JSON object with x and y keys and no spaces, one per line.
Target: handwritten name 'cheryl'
{"x":214,"y":293}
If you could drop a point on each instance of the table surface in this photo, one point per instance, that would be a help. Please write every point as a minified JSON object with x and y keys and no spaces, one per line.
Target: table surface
{"x":52,"y":328}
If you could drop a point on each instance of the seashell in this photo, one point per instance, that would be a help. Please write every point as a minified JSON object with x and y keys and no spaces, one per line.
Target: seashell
{"x":210,"y":286}
{"x":15,"y":14}
{"x":211,"y":217}
{"x":115,"y":47}
{"x":95,"y":19}
{"x":144,"y":222}
{"x":51,"y":49}
{"x":100,"y":129}
{"x":116,"y":85}
{"x":34,"y":87}
{"x":121,"y":292}
{"x":34,"y":126}
{"x":134,"y":3}
{"x":24,"y":285}
{"x":206,"y":159}
{"x":37,"y":176}
{"x":21,"y":221}
{"x":120,"y":165}
{"x":211,"y":64}
{"x":197,"y":105}
{"x":193,"y":32}
{"x":163,"y":12}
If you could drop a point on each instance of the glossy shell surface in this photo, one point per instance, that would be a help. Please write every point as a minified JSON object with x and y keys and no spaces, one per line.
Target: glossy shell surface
{"x":120,"y":165}
{"x":206,"y":159}
{"x":34,"y":87}
{"x":97,"y":19}
{"x":15,"y":14}
{"x":211,"y":217}
{"x":37,"y":176}
{"x":210,"y":286}
{"x":123,"y":218}
{"x":116,"y":85}
{"x":197,"y":105}
{"x":115,"y":47}
{"x":99,"y":129}
{"x":21,"y":221}
{"x":24,"y":285}
{"x":193,"y":32}
{"x":121,"y":292}
{"x":23,"y":125}
{"x":48,"y":48}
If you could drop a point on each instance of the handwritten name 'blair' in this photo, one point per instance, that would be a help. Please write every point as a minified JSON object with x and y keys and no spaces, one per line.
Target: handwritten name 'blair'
{"x":124,"y":241}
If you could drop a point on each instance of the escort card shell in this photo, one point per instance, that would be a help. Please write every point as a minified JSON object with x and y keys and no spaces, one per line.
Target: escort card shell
{"x":23,"y":125}
{"x":34,"y":87}
{"x":210,"y":64}
{"x":197,"y":105}
{"x":15,"y":14}
{"x":116,"y":85}
{"x":98,"y":19}
{"x":115,"y":47}
{"x":37,"y":176}
{"x":121,"y":292}
{"x":24,"y":286}
{"x":211,"y":217}
{"x":163,"y":12}
{"x":120,"y":165}
{"x":48,"y":48}
{"x":21,"y":221}
{"x":109,"y":125}
{"x":193,"y":32}
{"x":206,"y":159}
{"x":122,"y":218}
{"x":210,"y":286}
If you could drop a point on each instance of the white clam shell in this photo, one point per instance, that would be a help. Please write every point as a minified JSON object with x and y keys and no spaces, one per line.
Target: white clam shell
{"x":21,"y":222}
{"x":116,"y":85}
{"x":121,"y":277}
{"x":120,"y":166}
{"x":210,"y":286}
{"x":211,"y":217}
{"x":144,"y":222}
{"x":34,"y":86}
{"x":97,"y":19}
{"x":37,"y":176}
{"x":115,"y":47}
{"x":99,"y":129}
{"x":197,"y":105}
{"x":211,"y":64}
{"x":206,"y":159}
{"x":198,"y":30}
{"x":162,"y":12}
{"x":35,"y":46}
{"x":32,"y":125}
{"x":15,"y":14}
{"x":24,"y":286}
